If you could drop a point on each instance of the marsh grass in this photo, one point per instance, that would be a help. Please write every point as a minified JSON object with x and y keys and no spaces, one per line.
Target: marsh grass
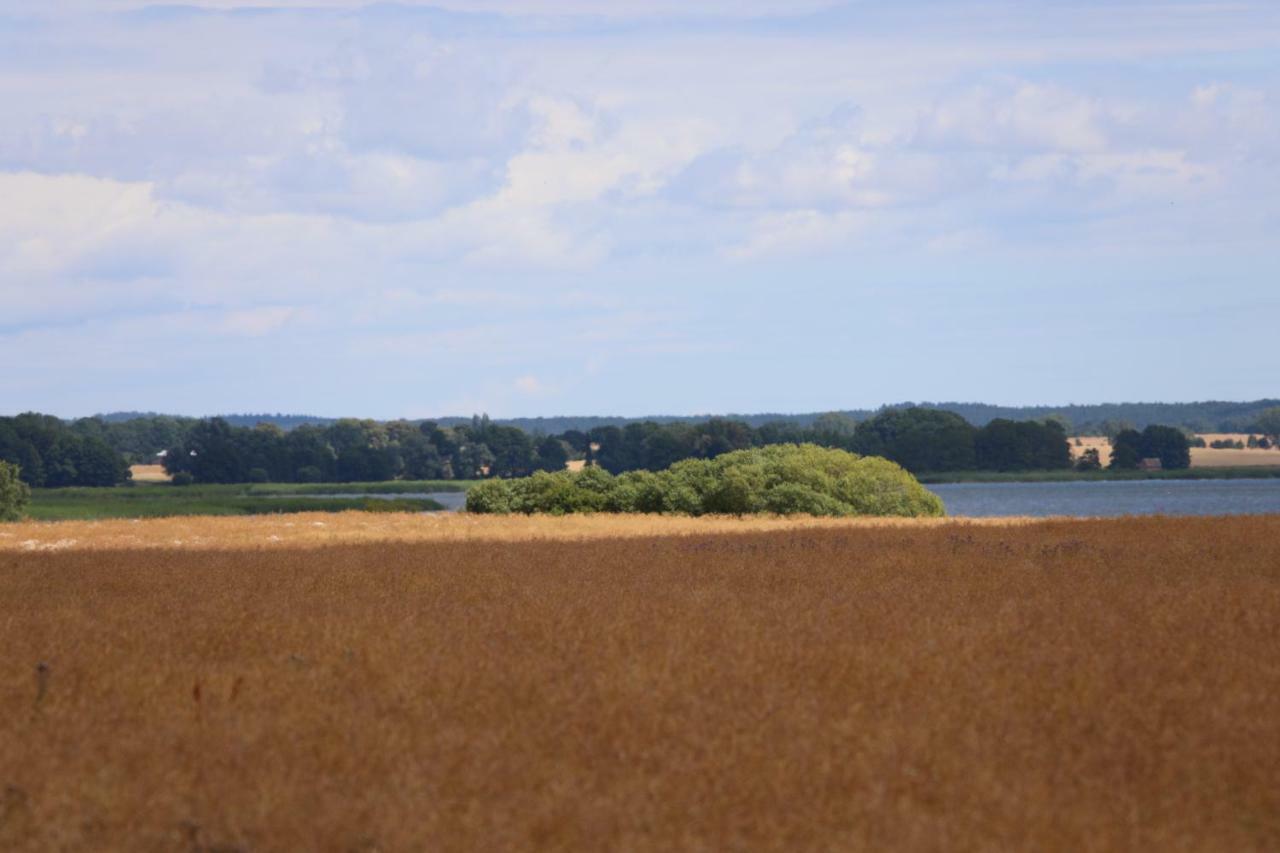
{"x":159,"y":500}
{"x":596,"y":683}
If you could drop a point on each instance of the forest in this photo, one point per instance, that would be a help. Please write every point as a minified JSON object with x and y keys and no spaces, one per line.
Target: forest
{"x":920,"y":440}
{"x":98,"y":451}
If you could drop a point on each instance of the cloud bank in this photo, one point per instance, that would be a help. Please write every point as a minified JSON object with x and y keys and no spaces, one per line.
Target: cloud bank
{"x":558,"y":205}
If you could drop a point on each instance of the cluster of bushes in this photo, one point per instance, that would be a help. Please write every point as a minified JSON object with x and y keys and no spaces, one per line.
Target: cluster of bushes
{"x":1227,"y":444}
{"x":785,"y":479}
{"x":52,"y":453}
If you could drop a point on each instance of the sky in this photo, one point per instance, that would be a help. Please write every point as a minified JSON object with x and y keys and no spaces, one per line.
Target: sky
{"x":540,"y":207}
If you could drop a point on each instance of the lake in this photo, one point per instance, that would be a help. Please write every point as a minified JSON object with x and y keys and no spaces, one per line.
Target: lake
{"x":1113,"y":497}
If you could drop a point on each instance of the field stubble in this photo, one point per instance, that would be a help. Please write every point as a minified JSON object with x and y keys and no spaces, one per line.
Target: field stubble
{"x":1064,"y":684}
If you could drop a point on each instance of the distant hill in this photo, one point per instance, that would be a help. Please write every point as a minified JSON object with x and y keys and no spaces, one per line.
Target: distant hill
{"x":285,"y":422}
{"x":1208,"y":416}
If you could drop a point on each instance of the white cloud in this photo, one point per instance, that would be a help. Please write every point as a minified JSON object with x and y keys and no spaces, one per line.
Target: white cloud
{"x":422,"y":183}
{"x":800,"y":232}
{"x":48,"y":221}
{"x":257,"y":322}
{"x":1029,"y":116}
{"x":531,"y":386}
{"x":590,"y":8}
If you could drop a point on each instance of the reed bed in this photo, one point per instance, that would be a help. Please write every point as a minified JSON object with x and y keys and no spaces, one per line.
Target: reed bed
{"x":321,"y":529}
{"x":597,"y":684}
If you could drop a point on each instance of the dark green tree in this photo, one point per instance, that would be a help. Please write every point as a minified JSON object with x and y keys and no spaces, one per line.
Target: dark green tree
{"x":14,"y":493}
{"x":1268,"y":424}
{"x":1168,"y":444}
{"x":552,"y":455}
{"x":1126,"y":450}
{"x":918,"y":439}
{"x":1005,"y":445}
{"x":1090,"y":460}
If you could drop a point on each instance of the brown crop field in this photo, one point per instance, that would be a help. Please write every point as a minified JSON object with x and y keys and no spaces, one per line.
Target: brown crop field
{"x":412,"y":683}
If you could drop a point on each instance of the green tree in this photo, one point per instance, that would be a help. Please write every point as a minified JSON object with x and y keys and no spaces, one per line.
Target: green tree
{"x":14,"y":493}
{"x":552,"y":455}
{"x":1168,"y":444}
{"x":214,"y":454}
{"x":1005,"y":445}
{"x":835,"y":424}
{"x":918,"y":439}
{"x":1126,"y":450}
{"x":1112,"y":428}
{"x":1090,"y":460}
{"x":1268,"y":424}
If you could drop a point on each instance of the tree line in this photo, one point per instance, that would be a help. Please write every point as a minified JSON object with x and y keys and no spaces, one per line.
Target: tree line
{"x":350,"y":450}
{"x":94,"y":452}
{"x":51,"y":453}
{"x":920,"y":440}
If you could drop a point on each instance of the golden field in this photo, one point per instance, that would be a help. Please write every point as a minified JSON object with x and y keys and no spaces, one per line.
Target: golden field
{"x":149,"y":474}
{"x":409,"y":683}
{"x":1201,"y":457}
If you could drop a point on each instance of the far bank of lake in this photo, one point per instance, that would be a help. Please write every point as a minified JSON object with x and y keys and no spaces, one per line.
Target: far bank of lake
{"x":1069,"y":475}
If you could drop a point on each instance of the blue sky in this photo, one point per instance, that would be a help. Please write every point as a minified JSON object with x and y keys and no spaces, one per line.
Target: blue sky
{"x":560,"y":206}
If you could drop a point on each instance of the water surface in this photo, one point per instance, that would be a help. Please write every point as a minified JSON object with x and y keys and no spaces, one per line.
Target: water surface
{"x":1112,"y":497}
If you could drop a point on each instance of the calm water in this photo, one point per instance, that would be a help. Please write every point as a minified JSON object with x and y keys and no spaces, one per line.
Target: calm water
{"x":1124,"y":497}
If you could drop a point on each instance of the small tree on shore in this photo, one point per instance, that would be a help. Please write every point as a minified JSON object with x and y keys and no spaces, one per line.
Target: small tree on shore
{"x":1090,"y":460}
{"x":14,"y":493}
{"x":1126,"y":449}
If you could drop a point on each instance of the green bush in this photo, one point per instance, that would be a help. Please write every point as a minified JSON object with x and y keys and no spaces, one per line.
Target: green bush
{"x":492,"y":496}
{"x":14,"y":493}
{"x":259,"y":475}
{"x":183,"y":478}
{"x":784,"y":478}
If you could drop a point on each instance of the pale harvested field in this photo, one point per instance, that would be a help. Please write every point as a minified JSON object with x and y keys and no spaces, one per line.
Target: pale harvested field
{"x":539,"y":683}
{"x":324,"y":529}
{"x":149,"y":474}
{"x":1209,"y":457}
{"x":1201,"y":457}
{"x":1095,"y":442}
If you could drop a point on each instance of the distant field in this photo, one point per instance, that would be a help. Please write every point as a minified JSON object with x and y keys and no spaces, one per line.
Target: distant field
{"x":1201,"y":457}
{"x":149,"y":474}
{"x":449,"y":683}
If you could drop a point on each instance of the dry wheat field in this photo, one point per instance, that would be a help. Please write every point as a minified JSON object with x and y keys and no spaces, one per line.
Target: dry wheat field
{"x":418,"y":684}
